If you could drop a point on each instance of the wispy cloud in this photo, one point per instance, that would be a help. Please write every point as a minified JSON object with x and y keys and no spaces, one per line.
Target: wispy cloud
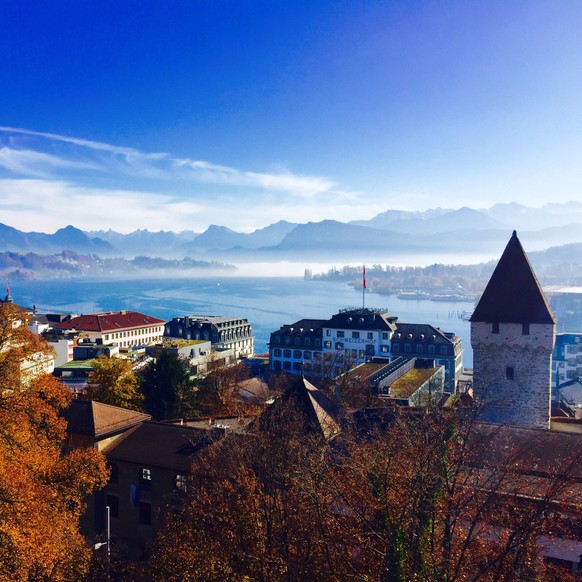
{"x":33,"y":163}
{"x":49,"y":180}
{"x":302,"y":186}
{"x":93,"y":145}
{"x":48,"y":205}
{"x":156,"y":165}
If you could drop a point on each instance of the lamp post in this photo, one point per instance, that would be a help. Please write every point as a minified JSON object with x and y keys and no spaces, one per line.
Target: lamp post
{"x":108,"y":542}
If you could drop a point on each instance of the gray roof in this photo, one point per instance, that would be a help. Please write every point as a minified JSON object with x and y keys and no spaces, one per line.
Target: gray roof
{"x":422,"y":332}
{"x":362,"y":319}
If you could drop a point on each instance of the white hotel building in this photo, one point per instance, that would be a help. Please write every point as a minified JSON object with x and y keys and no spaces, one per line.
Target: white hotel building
{"x":351,"y":336}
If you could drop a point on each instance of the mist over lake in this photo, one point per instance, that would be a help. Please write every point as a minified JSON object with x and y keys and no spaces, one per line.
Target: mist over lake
{"x":267,"y":302}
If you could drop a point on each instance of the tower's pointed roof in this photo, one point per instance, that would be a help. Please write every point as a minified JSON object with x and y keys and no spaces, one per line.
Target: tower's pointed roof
{"x":305,"y":407}
{"x":513,"y":294}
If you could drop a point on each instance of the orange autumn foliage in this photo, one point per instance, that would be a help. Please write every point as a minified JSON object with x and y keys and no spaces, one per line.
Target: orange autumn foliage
{"x":41,"y":488}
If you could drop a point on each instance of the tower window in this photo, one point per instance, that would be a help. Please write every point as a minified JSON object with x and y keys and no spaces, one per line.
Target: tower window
{"x":495,"y":327}
{"x":509,"y":372}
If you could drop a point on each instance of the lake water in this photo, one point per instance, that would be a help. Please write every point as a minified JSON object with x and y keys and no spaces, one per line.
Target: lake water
{"x":267,"y":302}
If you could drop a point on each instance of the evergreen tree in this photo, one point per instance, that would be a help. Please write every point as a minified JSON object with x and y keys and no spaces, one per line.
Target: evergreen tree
{"x":167,"y":387}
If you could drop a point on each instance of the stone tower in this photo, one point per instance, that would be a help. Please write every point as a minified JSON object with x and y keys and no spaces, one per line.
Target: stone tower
{"x":512,"y":335}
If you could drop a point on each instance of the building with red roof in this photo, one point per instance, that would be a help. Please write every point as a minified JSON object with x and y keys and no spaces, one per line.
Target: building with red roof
{"x":127,"y":329}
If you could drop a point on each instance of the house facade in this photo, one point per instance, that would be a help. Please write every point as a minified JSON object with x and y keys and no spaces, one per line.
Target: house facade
{"x":127,"y":329}
{"x":432,"y":344}
{"x":224,"y":333}
{"x":329,"y":347}
{"x":566,"y":359}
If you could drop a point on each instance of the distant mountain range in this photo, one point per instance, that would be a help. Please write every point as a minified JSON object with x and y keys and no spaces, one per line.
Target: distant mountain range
{"x":391,"y":236}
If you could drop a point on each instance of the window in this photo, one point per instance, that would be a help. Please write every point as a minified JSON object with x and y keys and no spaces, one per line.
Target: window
{"x":297,"y":354}
{"x":340,"y":334}
{"x":317,"y":343}
{"x":384,"y":349}
{"x":509,"y":372}
{"x":146,"y":478}
{"x":277,"y":365}
{"x":328,"y":332}
{"x":286,"y":353}
{"x":287,"y":340}
{"x":369,"y":349}
{"x":355,"y":354}
{"x":297,"y":366}
{"x":495,"y":327}
{"x":145,"y":513}
{"x":419,"y":348}
{"x":407,"y":348}
{"x":360,"y":354}
{"x":355,"y":334}
{"x":307,"y":341}
{"x":307,"y":355}
{"x":277,"y":339}
{"x":525,"y":329}
{"x":384,"y":335}
{"x":395,"y":348}
{"x":180,"y":483}
{"x":277,"y":352}
{"x":431,"y":349}
{"x":327,"y":344}
{"x":444,"y":350}
{"x":370,"y":335}
{"x":112,"y":501}
{"x":286,"y":365}
{"x":339,"y":346}
{"x":297,"y":341}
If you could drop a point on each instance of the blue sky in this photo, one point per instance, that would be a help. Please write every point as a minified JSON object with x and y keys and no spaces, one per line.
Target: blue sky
{"x":175,"y":115}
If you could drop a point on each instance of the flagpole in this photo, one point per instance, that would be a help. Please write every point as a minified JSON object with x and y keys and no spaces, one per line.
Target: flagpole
{"x":364,"y":288}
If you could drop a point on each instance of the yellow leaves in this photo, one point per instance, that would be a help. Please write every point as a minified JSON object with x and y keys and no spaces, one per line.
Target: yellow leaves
{"x":113,"y":382}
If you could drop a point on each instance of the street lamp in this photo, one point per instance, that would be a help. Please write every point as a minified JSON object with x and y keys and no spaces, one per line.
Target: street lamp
{"x":108,"y":542}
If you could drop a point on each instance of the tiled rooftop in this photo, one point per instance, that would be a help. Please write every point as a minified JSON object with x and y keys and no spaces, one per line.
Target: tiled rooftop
{"x":110,"y":321}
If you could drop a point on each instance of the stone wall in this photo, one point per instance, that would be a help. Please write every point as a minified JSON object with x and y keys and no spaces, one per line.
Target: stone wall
{"x":512,"y":373}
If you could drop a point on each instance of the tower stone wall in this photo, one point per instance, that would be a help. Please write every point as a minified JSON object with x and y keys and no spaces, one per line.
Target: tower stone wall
{"x":512,"y":372}
{"x":513,"y":334}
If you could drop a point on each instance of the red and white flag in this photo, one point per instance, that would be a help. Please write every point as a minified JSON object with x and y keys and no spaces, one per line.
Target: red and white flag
{"x":364,"y":281}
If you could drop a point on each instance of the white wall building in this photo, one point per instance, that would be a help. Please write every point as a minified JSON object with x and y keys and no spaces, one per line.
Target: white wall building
{"x":127,"y":329}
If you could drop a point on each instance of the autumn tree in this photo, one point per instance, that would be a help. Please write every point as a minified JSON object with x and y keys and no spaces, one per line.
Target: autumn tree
{"x":219,"y":391}
{"x":112,"y":381}
{"x":167,"y":387}
{"x":424,"y":495}
{"x":248,"y":514}
{"x":441,"y":497}
{"x":41,"y":488}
